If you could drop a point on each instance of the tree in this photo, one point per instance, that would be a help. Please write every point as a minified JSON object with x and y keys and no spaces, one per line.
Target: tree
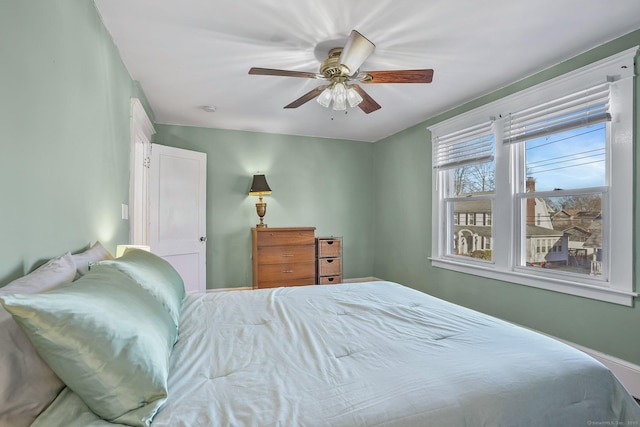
{"x":482,"y":177}
{"x":460,"y":180}
{"x":478,"y":178}
{"x":585,"y":202}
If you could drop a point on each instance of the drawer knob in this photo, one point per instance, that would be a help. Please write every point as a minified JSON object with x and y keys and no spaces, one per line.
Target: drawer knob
{"x":287,"y":255}
{"x":329,"y":242}
{"x":330,"y":279}
{"x":329,"y":261}
{"x":288,"y":271}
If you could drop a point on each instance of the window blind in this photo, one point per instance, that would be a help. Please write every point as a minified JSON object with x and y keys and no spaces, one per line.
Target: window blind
{"x":468,"y":146}
{"x":583,"y":108}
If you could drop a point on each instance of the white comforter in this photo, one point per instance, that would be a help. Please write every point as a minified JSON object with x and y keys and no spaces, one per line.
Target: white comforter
{"x":367,"y":354}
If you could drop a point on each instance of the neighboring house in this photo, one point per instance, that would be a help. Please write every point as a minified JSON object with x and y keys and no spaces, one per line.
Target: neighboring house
{"x":568,"y":237}
{"x":472,"y":227}
{"x":584,"y":229}
{"x":545,"y":245}
{"x":567,"y":218}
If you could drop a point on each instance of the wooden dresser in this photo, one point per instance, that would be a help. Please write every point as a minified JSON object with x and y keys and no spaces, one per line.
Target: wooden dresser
{"x":329,"y":268}
{"x":283,"y":257}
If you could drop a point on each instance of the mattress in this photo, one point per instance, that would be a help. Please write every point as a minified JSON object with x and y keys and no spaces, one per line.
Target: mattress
{"x":367,"y":354}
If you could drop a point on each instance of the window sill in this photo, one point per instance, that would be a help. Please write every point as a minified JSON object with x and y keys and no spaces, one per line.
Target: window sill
{"x":490,"y":271}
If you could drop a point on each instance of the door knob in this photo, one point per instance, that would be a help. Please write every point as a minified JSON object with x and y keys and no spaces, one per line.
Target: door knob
{"x":203,"y":238}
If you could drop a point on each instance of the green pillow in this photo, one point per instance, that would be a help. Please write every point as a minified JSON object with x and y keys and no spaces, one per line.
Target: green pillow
{"x":154,"y":274}
{"x":108,"y":340}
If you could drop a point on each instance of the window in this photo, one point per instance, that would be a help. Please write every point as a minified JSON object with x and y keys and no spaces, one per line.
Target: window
{"x":550,"y":167}
{"x":466,"y":158}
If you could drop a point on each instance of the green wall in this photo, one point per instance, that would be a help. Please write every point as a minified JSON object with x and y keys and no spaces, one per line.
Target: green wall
{"x":322,"y":183}
{"x":64,"y":133}
{"x":402,"y":165}
{"x":64,"y":172}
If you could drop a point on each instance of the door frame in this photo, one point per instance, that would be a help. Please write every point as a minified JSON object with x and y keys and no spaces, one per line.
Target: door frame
{"x":141,"y":132}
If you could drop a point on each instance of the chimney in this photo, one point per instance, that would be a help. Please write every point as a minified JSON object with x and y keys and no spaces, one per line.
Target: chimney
{"x":531,"y":201}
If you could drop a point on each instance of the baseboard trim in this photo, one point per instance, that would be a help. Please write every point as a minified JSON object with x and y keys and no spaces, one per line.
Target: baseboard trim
{"x":242,"y":288}
{"x":362,"y":279}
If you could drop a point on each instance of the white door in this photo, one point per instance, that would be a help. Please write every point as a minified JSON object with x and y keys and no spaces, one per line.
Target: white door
{"x":177,"y":212}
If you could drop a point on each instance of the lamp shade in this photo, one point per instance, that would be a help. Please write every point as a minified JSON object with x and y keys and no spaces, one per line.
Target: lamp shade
{"x":122,"y":249}
{"x":259,"y":186}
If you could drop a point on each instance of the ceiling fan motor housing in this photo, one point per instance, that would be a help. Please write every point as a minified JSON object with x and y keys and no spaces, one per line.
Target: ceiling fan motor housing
{"x":330,"y":67}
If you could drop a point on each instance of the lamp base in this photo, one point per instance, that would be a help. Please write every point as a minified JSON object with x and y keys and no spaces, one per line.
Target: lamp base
{"x":261,"y":209}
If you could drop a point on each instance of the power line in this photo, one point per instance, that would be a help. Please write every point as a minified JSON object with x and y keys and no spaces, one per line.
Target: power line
{"x":563,"y":139}
{"x":570,"y":166}
{"x":568,"y":158}
{"x":568,"y":155}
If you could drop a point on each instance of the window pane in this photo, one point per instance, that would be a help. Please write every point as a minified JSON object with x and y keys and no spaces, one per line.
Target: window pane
{"x":473,"y":237}
{"x":473,"y":179}
{"x":568,"y":160}
{"x":564,"y":233}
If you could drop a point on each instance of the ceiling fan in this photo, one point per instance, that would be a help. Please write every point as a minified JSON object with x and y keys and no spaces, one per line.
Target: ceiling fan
{"x":342,"y":72}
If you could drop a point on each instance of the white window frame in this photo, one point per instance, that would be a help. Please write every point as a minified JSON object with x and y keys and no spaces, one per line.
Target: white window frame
{"x":618,"y":286}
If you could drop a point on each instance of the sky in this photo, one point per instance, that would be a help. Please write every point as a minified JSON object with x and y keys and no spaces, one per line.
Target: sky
{"x":567,"y":160}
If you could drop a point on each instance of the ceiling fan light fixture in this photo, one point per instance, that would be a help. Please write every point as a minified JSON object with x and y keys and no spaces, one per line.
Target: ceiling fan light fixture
{"x":353,"y":97}
{"x":325,"y":97}
{"x":339,"y":93}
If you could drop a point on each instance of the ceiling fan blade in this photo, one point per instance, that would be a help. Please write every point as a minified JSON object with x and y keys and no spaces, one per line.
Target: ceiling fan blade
{"x":368,"y":105}
{"x":285,"y":73}
{"x":399,"y":76}
{"x":355,"y":52}
{"x":307,"y":97}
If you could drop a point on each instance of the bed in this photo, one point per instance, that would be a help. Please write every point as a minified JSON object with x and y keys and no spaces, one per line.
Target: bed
{"x":362,"y":354}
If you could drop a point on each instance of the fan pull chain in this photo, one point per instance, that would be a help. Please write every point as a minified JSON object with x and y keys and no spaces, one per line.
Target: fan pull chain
{"x":345,"y":113}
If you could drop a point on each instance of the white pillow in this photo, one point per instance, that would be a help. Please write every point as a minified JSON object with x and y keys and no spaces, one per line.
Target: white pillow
{"x":96,"y":253}
{"x":52,"y":273}
{"x":27,"y":384}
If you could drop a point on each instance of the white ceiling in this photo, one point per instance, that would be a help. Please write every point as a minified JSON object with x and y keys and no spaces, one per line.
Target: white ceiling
{"x":187,"y":54}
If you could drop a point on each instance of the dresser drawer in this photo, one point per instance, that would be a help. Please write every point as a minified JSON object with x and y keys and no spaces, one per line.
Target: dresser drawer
{"x":285,"y":254}
{"x":330,"y":280}
{"x":281,"y":238}
{"x":288,"y":271}
{"x":329,"y":266}
{"x":329,"y":248}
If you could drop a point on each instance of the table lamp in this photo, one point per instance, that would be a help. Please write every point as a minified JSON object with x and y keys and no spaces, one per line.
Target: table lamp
{"x":259,"y":187}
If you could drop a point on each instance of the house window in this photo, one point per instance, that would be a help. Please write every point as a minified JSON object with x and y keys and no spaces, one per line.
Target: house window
{"x":466,"y":159}
{"x":548,"y":165}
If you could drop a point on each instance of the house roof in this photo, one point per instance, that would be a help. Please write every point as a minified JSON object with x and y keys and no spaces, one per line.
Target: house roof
{"x":577,"y":231}
{"x":536,"y":231}
{"x":595,"y":240}
{"x":473,"y":206}
{"x":480,"y":230}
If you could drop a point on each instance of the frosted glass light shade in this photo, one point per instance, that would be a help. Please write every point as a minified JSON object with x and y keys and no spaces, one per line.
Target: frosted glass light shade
{"x":325,"y":98}
{"x":339,"y":97}
{"x":353,"y":97}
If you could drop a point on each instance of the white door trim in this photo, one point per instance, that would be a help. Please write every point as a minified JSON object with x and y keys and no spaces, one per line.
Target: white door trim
{"x":141,"y":132}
